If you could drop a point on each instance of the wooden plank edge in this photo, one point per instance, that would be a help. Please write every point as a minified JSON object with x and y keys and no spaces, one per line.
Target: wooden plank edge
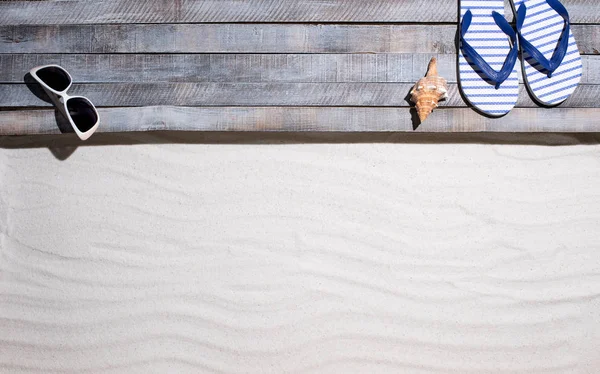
{"x":307,"y":119}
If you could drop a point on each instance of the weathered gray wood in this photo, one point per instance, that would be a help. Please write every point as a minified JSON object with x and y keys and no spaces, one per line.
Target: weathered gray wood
{"x":246,"y":38}
{"x":227,"y":38}
{"x":318,"y":68}
{"x":248,"y":68}
{"x":227,"y":11}
{"x":342,"y":119}
{"x":262,"y":94}
{"x":251,"y":76}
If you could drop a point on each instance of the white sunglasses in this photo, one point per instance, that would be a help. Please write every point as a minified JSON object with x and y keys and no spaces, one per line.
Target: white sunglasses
{"x":79,"y":110}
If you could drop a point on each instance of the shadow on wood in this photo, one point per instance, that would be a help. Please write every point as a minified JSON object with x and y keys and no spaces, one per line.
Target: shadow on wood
{"x":414,"y":116}
{"x":36,"y":88}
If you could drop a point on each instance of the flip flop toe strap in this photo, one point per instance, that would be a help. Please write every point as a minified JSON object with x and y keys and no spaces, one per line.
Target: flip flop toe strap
{"x":549,"y":66}
{"x":495,"y":77}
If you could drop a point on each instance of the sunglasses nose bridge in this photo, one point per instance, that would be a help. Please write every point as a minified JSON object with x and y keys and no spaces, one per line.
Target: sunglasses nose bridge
{"x":63,"y":97}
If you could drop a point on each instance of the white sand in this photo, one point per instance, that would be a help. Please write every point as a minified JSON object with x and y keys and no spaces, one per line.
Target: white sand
{"x":211,"y":253}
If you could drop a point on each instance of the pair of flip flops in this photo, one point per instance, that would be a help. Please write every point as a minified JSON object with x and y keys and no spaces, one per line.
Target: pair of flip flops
{"x":489,"y":50}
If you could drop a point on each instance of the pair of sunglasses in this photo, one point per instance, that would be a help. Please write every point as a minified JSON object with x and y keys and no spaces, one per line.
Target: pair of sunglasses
{"x":80,"y":111}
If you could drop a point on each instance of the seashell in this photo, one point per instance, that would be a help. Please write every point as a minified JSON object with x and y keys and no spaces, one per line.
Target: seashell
{"x":428,"y":91}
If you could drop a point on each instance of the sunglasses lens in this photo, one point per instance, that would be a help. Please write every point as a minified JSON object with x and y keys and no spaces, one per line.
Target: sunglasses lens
{"x":82,"y":113}
{"x":56,"y":78}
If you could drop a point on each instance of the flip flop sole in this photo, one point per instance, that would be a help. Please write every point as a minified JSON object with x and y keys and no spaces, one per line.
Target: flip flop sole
{"x":493,"y":45}
{"x":542,"y":28}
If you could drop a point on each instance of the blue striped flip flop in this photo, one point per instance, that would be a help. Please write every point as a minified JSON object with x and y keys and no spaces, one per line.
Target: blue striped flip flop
{"x":487,"y":56}
{"x":551,"y":62}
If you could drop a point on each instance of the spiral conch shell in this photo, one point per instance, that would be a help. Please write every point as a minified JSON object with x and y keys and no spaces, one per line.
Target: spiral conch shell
{"x":428,"y":91}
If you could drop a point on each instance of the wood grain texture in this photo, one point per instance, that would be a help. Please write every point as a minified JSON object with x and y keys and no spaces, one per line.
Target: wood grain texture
{"x":255,"y":11}
{"x":264,"y":94}
{"x":254,"y":54}
{"x":248,"y":68}
{"x":258,"y":68}
{"x":416,"y":257}
{"x":233,"y":38}
{"x":247,"y":38}
{"x":300,"y":119}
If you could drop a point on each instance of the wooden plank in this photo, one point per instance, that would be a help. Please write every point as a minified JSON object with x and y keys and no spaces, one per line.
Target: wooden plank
{"x":248,"y":68}
{"x":227,"y":38}
{"x":259,"y":68}
{"x":246,"y":38}
{"x":228,"y":11}
{"x":341,"y":119}
{"x":262,"y":94}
